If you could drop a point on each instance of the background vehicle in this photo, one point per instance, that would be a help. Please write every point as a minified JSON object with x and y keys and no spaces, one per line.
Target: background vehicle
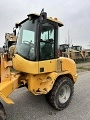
{"x":75,"y":52}
{"x":64,"y":50}
{"x":87,"y":51}
{"x":81,"y":55}
{"x":34,"y":63}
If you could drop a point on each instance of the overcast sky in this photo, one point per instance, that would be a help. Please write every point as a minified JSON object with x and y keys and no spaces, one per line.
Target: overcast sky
{"x":75,"y":15}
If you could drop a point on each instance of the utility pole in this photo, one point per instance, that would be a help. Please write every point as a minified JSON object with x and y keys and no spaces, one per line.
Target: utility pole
{"x":68,"y":38}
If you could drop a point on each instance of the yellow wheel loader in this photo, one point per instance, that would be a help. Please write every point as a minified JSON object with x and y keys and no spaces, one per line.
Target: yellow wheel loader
{"x":79,"y":53}
{"x":35,"y":63}
{"x":64,"y":50}
{"x":75,"y":52}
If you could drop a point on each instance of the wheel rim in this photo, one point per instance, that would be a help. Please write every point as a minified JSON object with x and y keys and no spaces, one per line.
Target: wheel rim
{"x":64,"y":94}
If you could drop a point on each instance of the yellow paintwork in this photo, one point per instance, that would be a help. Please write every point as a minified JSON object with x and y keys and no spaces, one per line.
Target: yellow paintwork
{"x":70,"y":66}
{"x":6,"y":99}
{"x":7,"y":87}
{"x":38,"y":82}
{"x":5,"y":71}
{"x":7,"y":64}
{"x":43,"y":83}
{"x":24,"y":65}
{"x":48,"y":65}
{"x":9,"y":81}
{"x":32,"y":67}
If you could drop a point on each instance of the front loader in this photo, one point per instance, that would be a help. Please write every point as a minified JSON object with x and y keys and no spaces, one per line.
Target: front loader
{"x":32,"y":61}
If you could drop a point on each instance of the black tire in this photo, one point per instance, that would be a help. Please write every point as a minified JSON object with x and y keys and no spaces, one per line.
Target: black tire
{"x":60,"y":95}
{"x":2,"y":112}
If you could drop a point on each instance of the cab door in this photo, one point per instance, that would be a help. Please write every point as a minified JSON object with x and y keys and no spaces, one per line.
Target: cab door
{"x":47,"y":61}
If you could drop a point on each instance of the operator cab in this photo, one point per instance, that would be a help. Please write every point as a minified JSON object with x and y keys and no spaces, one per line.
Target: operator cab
{"x":37,"y":44}
{"x":78,"y":48}
{"x":64,"y":47}
{"x":37,"y":39}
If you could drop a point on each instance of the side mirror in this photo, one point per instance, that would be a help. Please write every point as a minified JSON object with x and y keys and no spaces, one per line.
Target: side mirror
{"x":16,"y":25}
{"x":14,"y":31}
{"x":3,"y":46}
{"x":43,"y":16}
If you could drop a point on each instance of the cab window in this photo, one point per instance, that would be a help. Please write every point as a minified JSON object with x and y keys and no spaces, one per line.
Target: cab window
{"x":47,"y":42}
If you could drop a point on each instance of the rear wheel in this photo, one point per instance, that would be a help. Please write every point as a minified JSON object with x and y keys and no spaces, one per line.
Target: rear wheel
{"x":60,"y":95}
{"x":2,"y":112}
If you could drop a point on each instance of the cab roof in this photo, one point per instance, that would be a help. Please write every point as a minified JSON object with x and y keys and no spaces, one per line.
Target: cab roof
{"x":77,"y":46}
{"x":60,"y":24}
{"x":64,"y":44}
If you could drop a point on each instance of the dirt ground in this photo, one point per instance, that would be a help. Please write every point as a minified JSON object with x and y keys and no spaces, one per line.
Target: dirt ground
{"x":81,"y":67}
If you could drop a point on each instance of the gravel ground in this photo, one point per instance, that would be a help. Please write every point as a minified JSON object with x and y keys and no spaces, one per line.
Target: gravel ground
{"x":82,"y":67}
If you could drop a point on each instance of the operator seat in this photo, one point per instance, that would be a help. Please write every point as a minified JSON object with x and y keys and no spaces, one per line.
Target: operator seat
{"x":46,"y":50}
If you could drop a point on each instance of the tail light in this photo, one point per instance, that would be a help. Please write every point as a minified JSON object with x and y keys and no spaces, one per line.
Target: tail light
{"x":59,"y":52}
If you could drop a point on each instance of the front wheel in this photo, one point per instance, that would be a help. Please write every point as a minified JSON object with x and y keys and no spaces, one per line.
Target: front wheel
{"x":60,"y":95}
{"x":2,"y":112}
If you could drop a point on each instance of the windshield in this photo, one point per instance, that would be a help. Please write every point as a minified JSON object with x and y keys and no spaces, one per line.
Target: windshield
{"x":64,"y":48}
{"x":26,"y":40}
{"x":77,"y":48}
